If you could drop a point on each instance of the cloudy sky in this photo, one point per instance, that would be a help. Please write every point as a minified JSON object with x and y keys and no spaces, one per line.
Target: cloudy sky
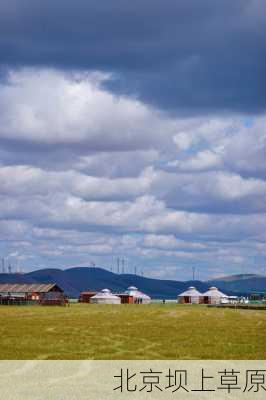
{"x":134,"y":129}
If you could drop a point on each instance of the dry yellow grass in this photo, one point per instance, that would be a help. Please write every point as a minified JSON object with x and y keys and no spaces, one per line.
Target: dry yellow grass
{"x":154,"y":331}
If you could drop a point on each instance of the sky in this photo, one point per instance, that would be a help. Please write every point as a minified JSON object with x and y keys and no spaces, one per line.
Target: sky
{"x":134,"y":130}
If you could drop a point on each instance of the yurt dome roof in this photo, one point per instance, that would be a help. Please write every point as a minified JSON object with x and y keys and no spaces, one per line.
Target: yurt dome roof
{"x":105,"y":293}
{"x":190,"y":292}
{"x":214,"y":292}
{"x":132,"y":288}
{"x":133,"y":291}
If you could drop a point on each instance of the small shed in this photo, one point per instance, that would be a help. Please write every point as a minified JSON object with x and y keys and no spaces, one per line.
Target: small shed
{"x":190,"y":296}
{"x":138,"y":296}
{"x":105,"y":297}
{"x":214,"y":296}
{"x":85,"y":297}
{"x":126,"y":298}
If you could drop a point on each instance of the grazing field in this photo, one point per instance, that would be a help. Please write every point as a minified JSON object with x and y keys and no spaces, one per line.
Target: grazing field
{"x":154,"y":331}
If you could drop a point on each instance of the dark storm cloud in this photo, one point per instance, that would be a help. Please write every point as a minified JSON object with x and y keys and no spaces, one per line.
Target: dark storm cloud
{"x":183,"y":56}
{"x":89,"y":175}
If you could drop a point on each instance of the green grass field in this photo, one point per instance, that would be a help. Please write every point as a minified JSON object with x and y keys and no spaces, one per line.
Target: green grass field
{"x":154,"y":331}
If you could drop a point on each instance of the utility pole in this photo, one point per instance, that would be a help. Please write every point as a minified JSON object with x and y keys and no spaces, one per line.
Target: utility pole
{"x":193,"y":273}
{"x":123,"y":265}
{"x":118,"y":264}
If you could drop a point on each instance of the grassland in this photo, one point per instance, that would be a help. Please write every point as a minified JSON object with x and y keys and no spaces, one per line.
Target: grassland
{"x":153,"y":331}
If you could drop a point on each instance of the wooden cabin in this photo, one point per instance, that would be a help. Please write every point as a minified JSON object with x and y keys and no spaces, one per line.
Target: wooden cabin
{"x":32,"y":293}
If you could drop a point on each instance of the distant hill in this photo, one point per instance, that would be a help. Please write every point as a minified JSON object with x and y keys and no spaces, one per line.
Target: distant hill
{"x":74,"y":280}
{"x":245,"y":283}
{"x":236,"y":277}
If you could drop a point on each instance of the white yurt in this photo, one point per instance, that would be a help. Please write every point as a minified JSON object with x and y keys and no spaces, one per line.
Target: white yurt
{"x":214,"y":296}
{"x":190,"y":296}
{"x":138,"y":296}
{"x":105,"y":297}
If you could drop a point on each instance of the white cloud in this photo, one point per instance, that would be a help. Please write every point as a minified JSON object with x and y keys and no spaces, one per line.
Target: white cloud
{"x":203,"y":160}
{"x":86,"y":173}
{"x":51,"y":107}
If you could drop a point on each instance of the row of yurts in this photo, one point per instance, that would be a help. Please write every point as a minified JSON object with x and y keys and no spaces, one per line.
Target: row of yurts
{"x":133,"y":295}
{"x":211,"y":296}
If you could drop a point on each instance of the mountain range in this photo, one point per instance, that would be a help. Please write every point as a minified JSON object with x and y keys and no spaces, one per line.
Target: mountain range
{"x":77,"y":279}
{"x":244,"y":283}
